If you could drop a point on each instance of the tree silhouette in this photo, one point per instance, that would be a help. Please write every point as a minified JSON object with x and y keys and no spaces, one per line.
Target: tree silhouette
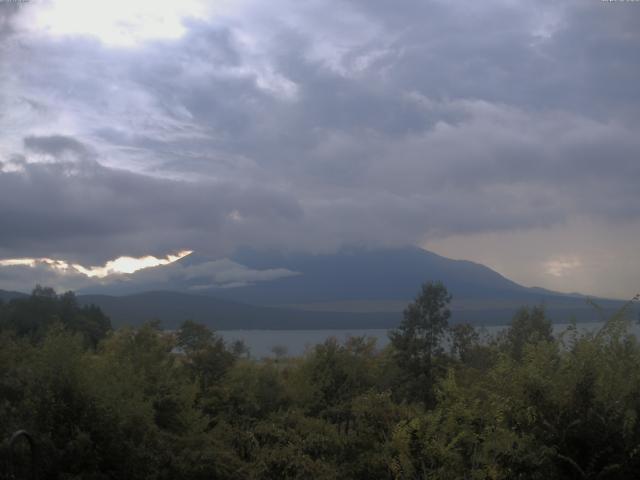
{"x":417,"y":340}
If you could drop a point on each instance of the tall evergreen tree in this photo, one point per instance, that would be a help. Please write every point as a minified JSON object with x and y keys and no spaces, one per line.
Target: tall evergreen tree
{"x":417,"y":340}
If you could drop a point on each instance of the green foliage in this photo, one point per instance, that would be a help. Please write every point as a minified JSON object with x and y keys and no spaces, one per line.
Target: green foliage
{"x":417,"y":341}
{"x":464,"y":340}
{"x":529,"y":326}
{"x":32,"y":317}
{"x":148,"y":404}
{"x":206,"y":356}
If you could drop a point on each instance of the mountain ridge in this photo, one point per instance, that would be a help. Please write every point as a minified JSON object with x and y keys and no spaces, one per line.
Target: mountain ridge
{"x":353,"y":288}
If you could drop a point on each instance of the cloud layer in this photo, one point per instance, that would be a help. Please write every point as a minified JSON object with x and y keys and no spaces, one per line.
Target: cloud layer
{"x":284,"y":125}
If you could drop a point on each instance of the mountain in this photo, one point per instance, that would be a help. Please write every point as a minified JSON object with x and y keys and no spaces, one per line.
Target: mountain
{"x":6,"y":295}
{"x":352,"y":288}
{"x":359,"y":274}
{"x":172,"y":308}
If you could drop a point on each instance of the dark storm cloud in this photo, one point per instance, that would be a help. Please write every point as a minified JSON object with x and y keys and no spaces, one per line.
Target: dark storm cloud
{"x":83,"y":211}
{"x":285,"y":126}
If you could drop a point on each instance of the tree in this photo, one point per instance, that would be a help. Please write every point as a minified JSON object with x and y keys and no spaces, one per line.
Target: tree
{"x":464,"y":339}
{"x":240,"y":349}
{"x":527,"y":326}
{"x":416,"y":342}
{"x":193,"y":336}
{"x":279,"y":351}
{"x":33,"y":316}
{"x":206,"y":354}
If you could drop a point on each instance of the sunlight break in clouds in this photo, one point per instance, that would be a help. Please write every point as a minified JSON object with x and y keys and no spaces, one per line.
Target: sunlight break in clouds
{"x":119,"y":265}
{"x":560,"y":267}
{"x":123,"y":23}
{"x":32,"y":262}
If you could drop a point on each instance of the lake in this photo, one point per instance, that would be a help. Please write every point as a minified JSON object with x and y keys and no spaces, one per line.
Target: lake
{"x":261,"y":342}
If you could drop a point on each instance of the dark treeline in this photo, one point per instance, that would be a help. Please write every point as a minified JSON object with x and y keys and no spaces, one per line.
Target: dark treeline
{"x":147,"y":404}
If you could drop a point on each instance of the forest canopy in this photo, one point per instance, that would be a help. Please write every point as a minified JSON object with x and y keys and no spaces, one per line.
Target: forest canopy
{"x":440,"y":401}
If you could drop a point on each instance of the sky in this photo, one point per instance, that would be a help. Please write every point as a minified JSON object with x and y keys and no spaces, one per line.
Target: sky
{"x":505,"y":132}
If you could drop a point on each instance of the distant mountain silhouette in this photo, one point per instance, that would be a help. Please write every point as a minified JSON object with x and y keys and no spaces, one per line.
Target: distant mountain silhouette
{"x":385,"y":280}
{"x":6,"y":295}
{"x":353,"y":288}
{"x":172,"y":308}
{"x":359,"y":274}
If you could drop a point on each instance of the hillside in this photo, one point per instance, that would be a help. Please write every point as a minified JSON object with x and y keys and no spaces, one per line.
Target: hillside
{"x":385,"y":274}
{"x":171,"y":308}
{"x":353,"y":288}
{"x":386,"y":280}
{"x":6,"y":295}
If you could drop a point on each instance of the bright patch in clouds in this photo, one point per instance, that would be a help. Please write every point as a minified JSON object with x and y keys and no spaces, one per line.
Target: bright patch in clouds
{"x":118,"y":22}
{"x":129,"y":264}
{"x":112,"y":267}
{"x":32,"y":262}
{"x":561,"y":267}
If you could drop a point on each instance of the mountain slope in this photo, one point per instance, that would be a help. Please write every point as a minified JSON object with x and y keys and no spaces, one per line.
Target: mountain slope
{"x":172,"y":308}
{"x":354,"y":288}
{"x":389,"y":274}
{"x":6,"y":295}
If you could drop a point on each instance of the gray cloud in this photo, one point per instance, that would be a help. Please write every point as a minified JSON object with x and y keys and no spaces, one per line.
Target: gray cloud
{"x":56,"y":146}
{"x":83,"y":211}
{"x":283,"y":126}
{"x":222,"y":273}
{"x":24,"y":278}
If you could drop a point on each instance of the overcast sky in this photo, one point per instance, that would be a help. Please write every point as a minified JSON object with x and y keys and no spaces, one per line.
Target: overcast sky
{"x":499,"y":131}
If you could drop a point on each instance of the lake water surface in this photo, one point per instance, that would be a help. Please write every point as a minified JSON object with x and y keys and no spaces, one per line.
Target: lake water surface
{"x":261,"y":342}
